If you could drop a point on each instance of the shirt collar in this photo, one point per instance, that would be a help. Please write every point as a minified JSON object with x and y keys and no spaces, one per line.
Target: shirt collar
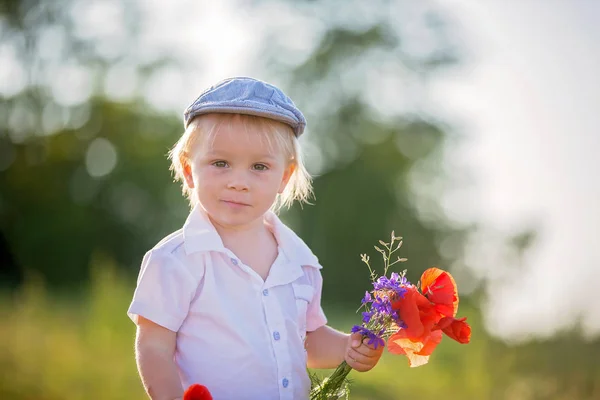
{"x":200,"y":235}
{"x":292,"y":246}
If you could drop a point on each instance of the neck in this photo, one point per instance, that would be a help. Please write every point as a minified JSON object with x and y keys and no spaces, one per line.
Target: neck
{"x":254,"y":244}
{"x":238,"y":232}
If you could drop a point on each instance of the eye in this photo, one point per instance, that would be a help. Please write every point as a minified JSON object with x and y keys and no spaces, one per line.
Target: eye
{"x":260,"y":167}
{"x":220,"y":164}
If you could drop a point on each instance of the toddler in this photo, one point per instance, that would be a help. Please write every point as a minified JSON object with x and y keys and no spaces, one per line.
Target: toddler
{"x":232,"y":300}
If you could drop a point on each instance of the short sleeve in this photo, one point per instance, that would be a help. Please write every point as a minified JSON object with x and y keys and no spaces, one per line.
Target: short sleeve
{"x":315,"y":317}
{"x":164,"y":291}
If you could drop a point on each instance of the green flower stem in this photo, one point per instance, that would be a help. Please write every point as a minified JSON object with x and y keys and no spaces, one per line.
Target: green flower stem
{"x":330,"y":388}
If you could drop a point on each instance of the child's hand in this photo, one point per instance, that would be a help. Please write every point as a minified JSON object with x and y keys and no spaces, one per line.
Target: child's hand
{"x":360,"y":356}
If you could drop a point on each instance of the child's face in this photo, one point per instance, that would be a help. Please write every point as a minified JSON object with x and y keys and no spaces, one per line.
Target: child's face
{"x":237,"y":176}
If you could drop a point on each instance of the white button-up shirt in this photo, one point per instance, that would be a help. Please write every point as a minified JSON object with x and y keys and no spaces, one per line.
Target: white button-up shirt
{"x":238,"y":335}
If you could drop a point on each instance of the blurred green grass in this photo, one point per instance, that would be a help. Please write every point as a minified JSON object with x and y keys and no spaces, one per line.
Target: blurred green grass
{"x":81,"y":347}
{"x":78,"y":348}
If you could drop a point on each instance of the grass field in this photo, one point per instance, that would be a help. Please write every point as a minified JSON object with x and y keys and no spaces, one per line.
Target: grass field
{"x":81,"y":347}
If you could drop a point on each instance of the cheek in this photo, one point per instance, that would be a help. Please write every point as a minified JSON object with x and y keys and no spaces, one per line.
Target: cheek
{"x":270,"y":181}
{"x":205,"y":178}
{"x":202,"y":174}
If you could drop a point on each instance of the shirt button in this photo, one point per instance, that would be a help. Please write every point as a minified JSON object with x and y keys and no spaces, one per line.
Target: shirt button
{"x":276,"y":335}
{"x":285,"y":382}
{"x":266,"y":292}
{"x":234,"y":261}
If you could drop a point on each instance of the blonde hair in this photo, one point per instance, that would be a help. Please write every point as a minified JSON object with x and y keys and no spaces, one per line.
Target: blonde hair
{"x":278,"y":136}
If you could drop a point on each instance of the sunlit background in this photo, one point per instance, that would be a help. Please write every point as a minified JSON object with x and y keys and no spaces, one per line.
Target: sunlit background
{"x":470,"y":128}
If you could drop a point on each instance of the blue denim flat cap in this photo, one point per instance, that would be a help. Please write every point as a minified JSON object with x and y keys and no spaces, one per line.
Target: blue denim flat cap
{"x":243,"y":95}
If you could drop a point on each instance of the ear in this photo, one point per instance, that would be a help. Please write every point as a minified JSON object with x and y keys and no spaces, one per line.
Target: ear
{"x":187,"y":173}
{"x":287,"y":174}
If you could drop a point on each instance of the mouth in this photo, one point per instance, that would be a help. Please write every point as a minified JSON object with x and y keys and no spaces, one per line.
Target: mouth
{"x":234,"y":203}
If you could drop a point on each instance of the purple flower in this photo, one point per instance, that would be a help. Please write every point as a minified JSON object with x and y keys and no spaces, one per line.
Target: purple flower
{"x":382,"y":306}
{"x":374,"y":339}
{"x":367,"y":298}
{"x":395,"y":284}
{"x":357,"y":328}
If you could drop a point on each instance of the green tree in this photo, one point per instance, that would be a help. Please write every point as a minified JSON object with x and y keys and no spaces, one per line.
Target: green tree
{"x":80,"y":173}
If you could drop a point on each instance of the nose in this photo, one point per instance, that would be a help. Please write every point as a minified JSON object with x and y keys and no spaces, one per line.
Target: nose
{"x":238,"y":181}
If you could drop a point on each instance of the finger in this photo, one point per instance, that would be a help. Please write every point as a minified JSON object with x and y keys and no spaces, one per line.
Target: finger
{"x":355,"y":339}
{"x":358,"y":361}
{"x":360,"y":358}
{"x":372,"y":346}
{"x":368,"y":350}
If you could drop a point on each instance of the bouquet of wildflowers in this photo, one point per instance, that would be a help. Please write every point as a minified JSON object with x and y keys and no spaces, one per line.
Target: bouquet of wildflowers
{"x":409,"y":318}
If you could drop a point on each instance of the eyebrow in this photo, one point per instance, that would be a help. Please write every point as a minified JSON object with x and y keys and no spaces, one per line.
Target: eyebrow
{"x":213,"y":153}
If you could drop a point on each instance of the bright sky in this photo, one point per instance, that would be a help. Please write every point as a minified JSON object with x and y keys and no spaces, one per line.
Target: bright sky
{"x":530,"y":103}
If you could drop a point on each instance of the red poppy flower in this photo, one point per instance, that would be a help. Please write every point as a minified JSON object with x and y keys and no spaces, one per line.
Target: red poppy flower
{"x":439,"y":287}
{"x":456,"y":329}
{"x":426,"y":314}
{"x":417,"y":351}
{"x":417,"y":312}
{"x":197,"y":392}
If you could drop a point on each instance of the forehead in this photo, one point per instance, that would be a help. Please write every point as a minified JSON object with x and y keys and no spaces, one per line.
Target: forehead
{"x":240,"y":133}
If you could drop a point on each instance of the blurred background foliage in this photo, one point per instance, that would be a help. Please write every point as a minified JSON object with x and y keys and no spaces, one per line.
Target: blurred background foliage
{"x":85,"y":190}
